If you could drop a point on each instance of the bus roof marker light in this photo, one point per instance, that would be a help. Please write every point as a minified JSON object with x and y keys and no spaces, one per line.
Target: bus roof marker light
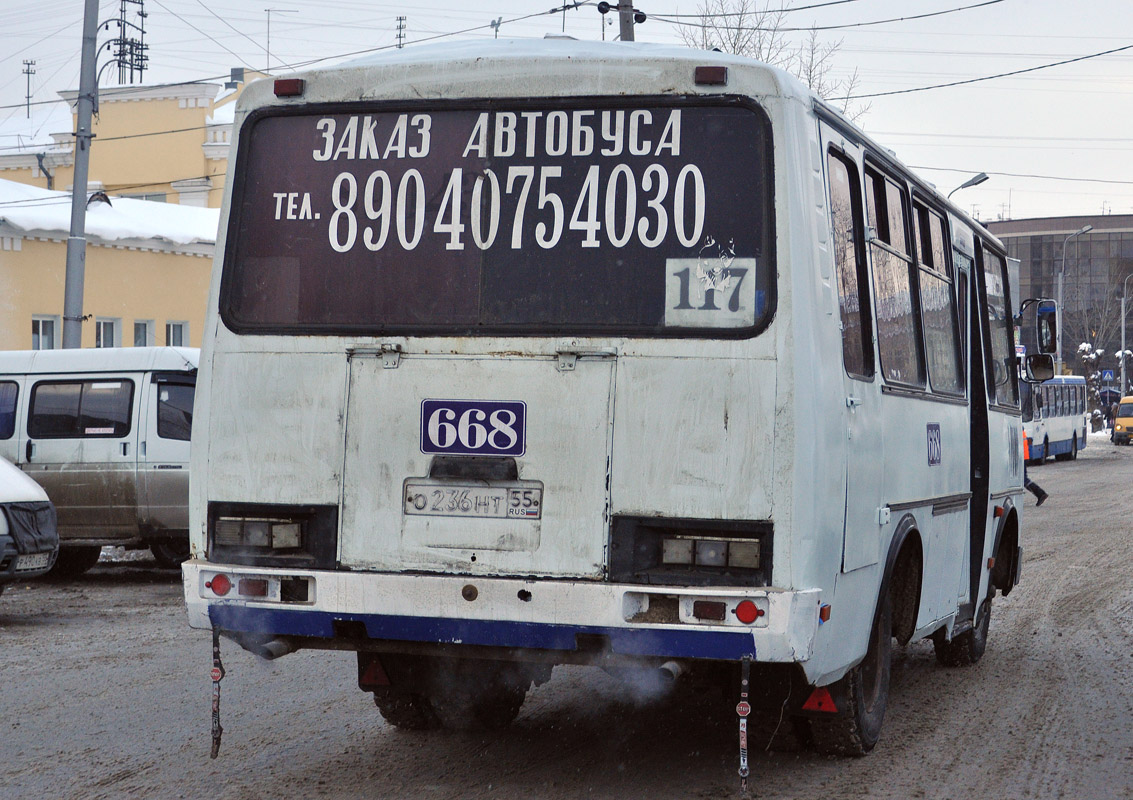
{"x":710,"y":76}
{"x":288,"y":87}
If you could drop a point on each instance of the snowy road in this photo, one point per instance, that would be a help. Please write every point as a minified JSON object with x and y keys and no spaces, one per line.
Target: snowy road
{"x":105,"y":694}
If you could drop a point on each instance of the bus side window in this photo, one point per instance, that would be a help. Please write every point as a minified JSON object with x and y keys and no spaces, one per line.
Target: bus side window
{"x":898,"y":318}
{"x":942,"y":337}
{"x":849,"y":262}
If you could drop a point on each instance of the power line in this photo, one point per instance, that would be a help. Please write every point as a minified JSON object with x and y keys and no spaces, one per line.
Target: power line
{"x":674,"y":21}
{"x":989,"y":77}
{"x":1028,"y":175}
{"x":39,"y":202}
{"x":202,"y":33}
{"x":783,"y":10}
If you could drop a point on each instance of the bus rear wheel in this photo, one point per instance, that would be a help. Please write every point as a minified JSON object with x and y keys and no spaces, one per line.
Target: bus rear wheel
{"x":967,"y":648}
{"x":865,"y":690}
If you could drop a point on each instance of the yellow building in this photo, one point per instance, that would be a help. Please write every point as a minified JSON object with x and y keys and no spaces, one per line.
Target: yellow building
{"x":147,"y":263}
{"x":166,"y":143}
{"x":146,"y":275}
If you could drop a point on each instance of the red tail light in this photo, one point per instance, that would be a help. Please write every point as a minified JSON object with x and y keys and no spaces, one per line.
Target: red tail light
{"x":747,"y":612}
{"x":220,"y":585}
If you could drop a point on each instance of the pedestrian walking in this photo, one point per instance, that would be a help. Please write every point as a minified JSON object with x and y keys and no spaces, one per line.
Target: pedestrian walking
{"x":1029,"y":484}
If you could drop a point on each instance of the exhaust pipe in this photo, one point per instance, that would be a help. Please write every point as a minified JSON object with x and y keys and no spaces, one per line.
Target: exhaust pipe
{"x":274,"y":648}
{"x":670,"y":672}
{"x":265,"y":646}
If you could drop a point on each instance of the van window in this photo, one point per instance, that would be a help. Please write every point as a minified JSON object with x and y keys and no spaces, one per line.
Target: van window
{"x":8,"y":392}
{"x":80,"y":409}
{"x":175,"y":410}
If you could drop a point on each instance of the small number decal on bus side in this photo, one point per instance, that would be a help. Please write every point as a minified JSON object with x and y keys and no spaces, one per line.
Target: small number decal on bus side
{"x":933,"y":444}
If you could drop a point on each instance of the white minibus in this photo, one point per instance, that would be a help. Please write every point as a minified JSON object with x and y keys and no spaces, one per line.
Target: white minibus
{"x":533,"y":353}
{"x":106,"y":432}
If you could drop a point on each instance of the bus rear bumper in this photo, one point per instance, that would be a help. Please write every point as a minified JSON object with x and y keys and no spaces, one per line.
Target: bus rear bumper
{"x":570,"y":619}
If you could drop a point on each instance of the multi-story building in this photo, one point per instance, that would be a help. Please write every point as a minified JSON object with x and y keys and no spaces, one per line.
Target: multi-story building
{"x":146,"y":275}
{"x":148,"y":263}
{"x":1094,"y":265}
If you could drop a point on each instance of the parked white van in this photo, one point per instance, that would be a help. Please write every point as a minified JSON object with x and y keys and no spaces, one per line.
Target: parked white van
{"x":106,"y":432}
{"x":29,"y":541}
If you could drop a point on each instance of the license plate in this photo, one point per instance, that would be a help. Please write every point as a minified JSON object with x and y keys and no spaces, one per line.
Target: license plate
{"x":522,"y":500}
{"x":32,"y":561}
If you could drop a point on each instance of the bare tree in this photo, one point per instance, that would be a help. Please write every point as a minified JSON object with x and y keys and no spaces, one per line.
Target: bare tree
{"x":746,"y":28}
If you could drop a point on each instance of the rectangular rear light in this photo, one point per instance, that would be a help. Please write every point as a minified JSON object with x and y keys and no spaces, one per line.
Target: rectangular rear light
{"x":263,"y":535}
{"x":252,"y":587}
{"x":288,"y":87}
{"x":677,"y":551}
{"x":710,"y":610}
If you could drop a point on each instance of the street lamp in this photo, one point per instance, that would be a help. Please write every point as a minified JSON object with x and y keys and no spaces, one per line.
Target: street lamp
{"x":1058,"y":310}
{"x":1124,"y":291}
{"x":976,"y":180}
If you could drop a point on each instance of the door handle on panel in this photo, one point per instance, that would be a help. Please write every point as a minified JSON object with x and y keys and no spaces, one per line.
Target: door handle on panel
{"x":125,"y":447}
{"x":29,"y":450}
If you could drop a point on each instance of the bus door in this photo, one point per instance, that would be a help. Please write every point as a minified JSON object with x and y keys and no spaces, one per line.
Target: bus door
{"x":996,"y":421}
{"x":80,"y":445}
{"x":861,"y":446}
{"x":481,"y":464}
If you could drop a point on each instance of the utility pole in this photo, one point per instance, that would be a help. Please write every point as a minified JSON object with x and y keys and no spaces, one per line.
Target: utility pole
{"x":625,"y":19}
{"x":77,"y":241}
{"x":29,"y":72}
{"x":130,"y":51}
{"x":401,"y":32}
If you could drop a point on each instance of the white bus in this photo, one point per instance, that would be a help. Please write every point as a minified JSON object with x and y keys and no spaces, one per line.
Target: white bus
{"x":535,"y":353}
{"x":1055,"y":415}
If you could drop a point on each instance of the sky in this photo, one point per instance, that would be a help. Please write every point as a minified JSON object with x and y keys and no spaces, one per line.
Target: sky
{"x":1054,"y":141}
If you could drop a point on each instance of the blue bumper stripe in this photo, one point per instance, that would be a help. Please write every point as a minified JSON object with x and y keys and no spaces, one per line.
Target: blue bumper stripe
{"x":536,"y":636}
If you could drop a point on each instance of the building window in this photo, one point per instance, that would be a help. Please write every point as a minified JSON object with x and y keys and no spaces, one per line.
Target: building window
{"x":106,"y":333}
{"x":44,"y":332}
{"x":177,"y":334}
{"x":143,"y":333}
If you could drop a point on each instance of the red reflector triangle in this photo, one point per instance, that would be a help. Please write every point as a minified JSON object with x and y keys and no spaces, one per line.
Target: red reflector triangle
{"x":374,"y":675}
{"x":820,"y":700}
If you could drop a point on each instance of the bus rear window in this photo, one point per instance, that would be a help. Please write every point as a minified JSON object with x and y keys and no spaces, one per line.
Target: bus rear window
{"x":575,"y":217}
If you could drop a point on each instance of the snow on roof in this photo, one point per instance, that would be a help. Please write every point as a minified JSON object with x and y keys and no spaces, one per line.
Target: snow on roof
{"x":19,"y":134}
{"x":223,"y":115}
{"x":30,"y":208}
